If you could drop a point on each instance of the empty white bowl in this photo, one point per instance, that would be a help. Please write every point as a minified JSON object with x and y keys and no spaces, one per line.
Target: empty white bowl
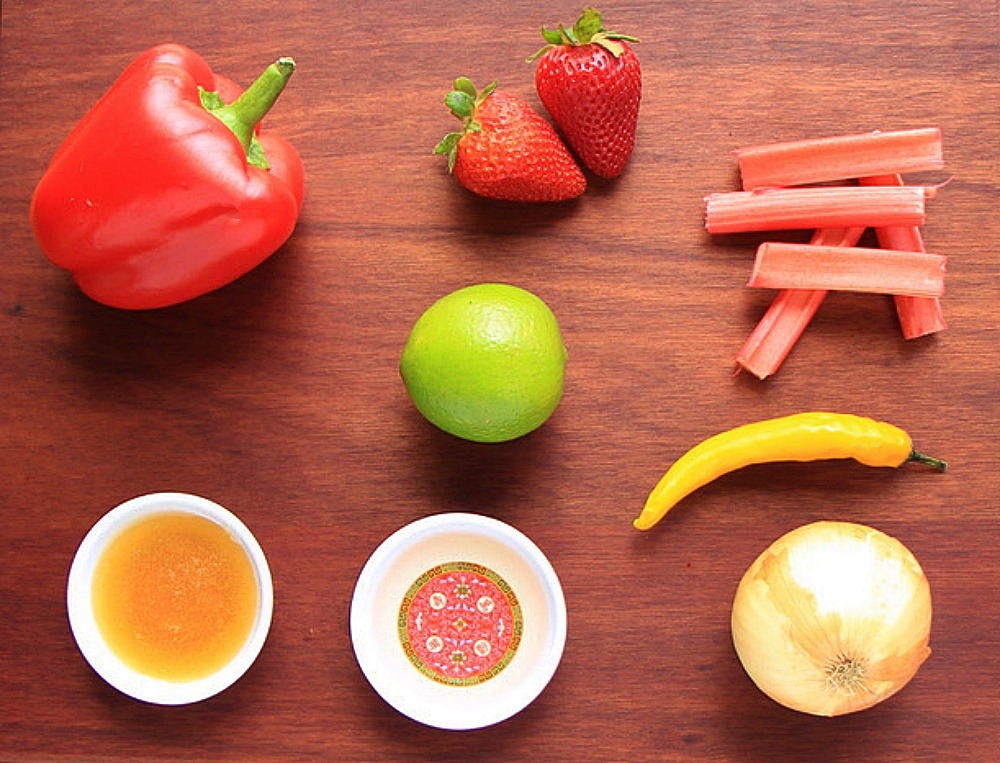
{"x":458,"y":621}
{"x":81,"y":613}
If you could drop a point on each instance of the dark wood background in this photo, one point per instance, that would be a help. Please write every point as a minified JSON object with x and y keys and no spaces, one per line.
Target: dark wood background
{"x":279,"y":396}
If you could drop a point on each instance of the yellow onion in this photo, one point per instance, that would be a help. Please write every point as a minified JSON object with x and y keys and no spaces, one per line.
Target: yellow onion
{"x":832,"y":618}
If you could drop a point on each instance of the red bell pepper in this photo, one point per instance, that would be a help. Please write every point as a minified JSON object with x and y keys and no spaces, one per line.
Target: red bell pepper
{"x":162,"y":192}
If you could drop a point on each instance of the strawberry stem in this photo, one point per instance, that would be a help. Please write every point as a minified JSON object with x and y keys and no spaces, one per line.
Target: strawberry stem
{"x":588,"y":29}
{"x":463,"y":101}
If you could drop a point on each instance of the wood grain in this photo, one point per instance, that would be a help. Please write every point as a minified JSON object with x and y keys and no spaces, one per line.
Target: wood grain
{"x":279,"y":396}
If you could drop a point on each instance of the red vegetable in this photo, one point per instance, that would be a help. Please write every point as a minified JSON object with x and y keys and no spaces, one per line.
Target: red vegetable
{"x":918,"y":316}
{"x":162,"y":193}
{"x":824,"y":207}
{"x":841,"y":157}
{"x":777,"y":332}
{"x":782,"y":265}
{"x":840,"y":213}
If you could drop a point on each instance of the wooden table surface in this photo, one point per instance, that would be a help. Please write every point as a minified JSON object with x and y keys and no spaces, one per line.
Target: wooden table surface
{"x":279,"y":396}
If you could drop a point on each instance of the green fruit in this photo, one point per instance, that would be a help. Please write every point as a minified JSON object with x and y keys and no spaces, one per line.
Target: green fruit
{"x":485,"y":363}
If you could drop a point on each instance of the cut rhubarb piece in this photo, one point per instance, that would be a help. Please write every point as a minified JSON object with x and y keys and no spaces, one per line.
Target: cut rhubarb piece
{"x":843,"y":157}
{"x":918,"y":316}
{"x":825,"y":207}
{"x":777,"y":332}
{"x":781,"y":265}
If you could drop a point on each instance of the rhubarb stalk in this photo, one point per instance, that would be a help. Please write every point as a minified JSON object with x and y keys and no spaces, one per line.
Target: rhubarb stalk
{"x":781,"y":265}
{"x":918,"y":316}
{"x":824,"y":207}
{"x":842,"y":157}
{"x":788,"y":315}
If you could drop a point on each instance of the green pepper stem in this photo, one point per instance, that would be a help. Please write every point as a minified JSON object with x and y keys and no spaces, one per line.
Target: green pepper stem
{"x":244,"y":114}
{"x":258,"y":99}
{"x":922,"y":459}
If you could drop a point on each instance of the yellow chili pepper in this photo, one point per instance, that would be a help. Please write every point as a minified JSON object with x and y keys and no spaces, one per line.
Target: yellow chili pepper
{"x":808,"y":436}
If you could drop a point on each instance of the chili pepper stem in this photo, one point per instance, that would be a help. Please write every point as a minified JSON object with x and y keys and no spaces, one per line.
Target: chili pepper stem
{"x":920,"y":458}
{"x":244,"y":114}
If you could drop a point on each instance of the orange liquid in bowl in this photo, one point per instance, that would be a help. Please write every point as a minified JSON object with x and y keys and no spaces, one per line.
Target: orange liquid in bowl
{"x":175,"y":596}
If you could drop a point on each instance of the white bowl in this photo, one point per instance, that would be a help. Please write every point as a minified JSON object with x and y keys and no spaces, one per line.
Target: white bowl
{"x":81,"y":614}
{"x":458,"y":621}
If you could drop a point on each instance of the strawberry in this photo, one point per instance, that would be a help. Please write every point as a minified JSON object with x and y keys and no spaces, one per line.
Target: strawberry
{"x":590,"y":82}
{"x":506,"y":150}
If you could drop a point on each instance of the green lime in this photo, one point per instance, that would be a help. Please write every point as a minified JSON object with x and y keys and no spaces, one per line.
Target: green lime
{"x":485,"y":363}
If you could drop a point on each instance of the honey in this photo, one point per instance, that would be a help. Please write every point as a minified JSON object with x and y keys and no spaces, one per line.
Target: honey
{"x":175,"y":596}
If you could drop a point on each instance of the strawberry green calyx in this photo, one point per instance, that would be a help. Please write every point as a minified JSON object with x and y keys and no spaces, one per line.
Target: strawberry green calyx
{"x":588,"y":29}
{"x":463,"y":101}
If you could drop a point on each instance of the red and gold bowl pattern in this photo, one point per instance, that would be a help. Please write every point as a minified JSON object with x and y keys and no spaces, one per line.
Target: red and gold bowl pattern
{"x":460,"y":623}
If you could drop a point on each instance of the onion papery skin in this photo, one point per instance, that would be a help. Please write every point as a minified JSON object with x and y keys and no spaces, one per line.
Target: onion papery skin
{"x":832,"y":618}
